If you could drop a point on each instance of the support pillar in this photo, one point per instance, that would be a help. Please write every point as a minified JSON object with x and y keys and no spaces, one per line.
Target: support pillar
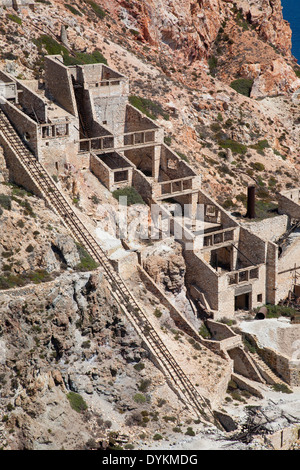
{"x":156,"y":162}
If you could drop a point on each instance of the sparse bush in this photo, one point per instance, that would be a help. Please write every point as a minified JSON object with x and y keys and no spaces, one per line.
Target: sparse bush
{"x":96,"y":9}
{"x":5,"y":202}
{"x":15,"y":19}
{"x":157,"y":437}
{"x":157,"y":313}
{"x":134,"y":419}
{"x":86,"y":261}
{"x":144,"y":385}
{"x":139,"y":366}
{"x":190,"y":432}
{"x":152,"y":109}
{"x":258,"y":166}
{"x":283,"y":388}
{"x":139,"y":398}
{"x":242,"y":86}
{"x":213,"y":64}
{"x":236,"y":147}
{"x":133,"y":197}
{"x":73,"y":9}
{"x":77,"y":402}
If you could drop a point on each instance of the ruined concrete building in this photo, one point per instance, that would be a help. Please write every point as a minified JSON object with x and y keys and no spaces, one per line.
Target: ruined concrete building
{"x":80,"y":116}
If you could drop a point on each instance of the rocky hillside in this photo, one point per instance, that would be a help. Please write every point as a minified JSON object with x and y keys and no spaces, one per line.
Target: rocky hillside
{"x":220,"y":78}
{"x":73,"y":373}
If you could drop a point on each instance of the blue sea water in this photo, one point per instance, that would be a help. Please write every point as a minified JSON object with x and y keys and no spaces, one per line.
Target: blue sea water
{"x":291,"y":13}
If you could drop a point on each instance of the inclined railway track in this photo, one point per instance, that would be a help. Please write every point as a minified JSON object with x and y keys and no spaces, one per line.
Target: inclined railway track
{"x":119,"y":290}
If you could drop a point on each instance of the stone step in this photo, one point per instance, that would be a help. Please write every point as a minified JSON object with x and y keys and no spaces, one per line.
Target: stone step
{"x":267,"y":373}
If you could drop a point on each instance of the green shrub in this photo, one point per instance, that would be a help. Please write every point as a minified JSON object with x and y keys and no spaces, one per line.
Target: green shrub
{"x":5,"y":202}
{"x":176,"y":429}
{"x":139,"y":398}
{"x":53,"y":47}
{"x":144,"y":385}
{"x":275,"y":311}
{"x":139,"y":366}
{"x":11,"y":281}
{"x":77,"y":402}
{"x":260,"y":146}
{"x":235,"y":147}
{"x":242,"y":86}
{"x":258,"y":166}
{"x":297,"y":71}
{"x":213,"y":64}
{"x":283,"y":388}
{"x":190,"y":432}
{"x":15,"y":19}
{"x":152,"y":109}
{"x":182,"y":156}
{"x":73,"y":10}
{"x":204,"y":332}
{"x":133,"y":197}
{"x":97,"y":9}
{"x":157,"y":437}
{"x":157,"y":313}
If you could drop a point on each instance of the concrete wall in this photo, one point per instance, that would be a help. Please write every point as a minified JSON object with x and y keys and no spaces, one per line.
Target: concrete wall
{"x":288,"y":203}
{"x":226,"y":220}
{"x":111,"y":112}
{"x":285,"y":438}
{"x":286,"y":368}
{"x":101,"y":171}
{"x":269,"y":229}
{"x":55,"y":153}
{"x":252,"y":249}
{"x":203,"y":276}
{"x":287,"y":262}
{"x":32,"y":103}
{"x":173,"y":166}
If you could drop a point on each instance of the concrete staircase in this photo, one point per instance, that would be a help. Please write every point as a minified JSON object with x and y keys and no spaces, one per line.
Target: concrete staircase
{"x":128,"y":304}
{"x":268,"y":375}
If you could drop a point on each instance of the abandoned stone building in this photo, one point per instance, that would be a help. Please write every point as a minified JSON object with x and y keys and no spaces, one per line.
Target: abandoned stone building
{"x":80,"y":116}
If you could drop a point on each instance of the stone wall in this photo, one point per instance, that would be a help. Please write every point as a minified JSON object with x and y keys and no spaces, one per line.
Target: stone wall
{"x":173,"y":166}
{"x":226,"y":220}
{"x":268,"y":229}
